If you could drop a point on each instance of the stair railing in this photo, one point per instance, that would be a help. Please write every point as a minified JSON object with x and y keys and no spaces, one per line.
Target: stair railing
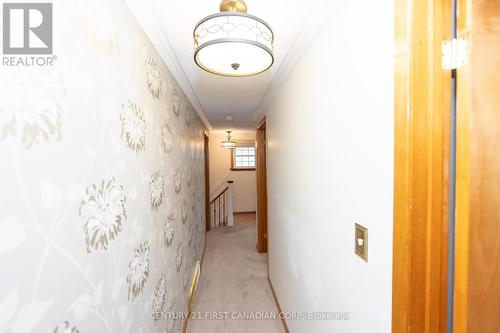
{"x":221,"y":207}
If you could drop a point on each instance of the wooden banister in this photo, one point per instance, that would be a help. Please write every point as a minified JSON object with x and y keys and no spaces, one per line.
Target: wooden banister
{"x":220,"y":194}
{"x":221,"y":207}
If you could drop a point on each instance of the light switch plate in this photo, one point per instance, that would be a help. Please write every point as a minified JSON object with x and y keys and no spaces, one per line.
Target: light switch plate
{"x":361,"y":241}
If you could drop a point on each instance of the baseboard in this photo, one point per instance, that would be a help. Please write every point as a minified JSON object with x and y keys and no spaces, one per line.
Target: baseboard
{"x":202,"y":260}
{"x":283,"y":321}
{"x":244,"y":213}
{"x":185,"y":323}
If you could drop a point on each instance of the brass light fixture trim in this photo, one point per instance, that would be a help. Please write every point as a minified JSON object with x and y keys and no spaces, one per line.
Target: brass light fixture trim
{"x":233,"y":6}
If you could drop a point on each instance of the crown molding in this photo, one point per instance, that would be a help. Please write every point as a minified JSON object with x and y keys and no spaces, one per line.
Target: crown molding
{"x":148,"y":20}
{"x":312,"y":26}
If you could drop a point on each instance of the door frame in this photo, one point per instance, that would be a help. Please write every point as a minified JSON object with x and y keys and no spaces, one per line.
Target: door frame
{"x":421,"y":157}
{"x":207,"y":181}
{"x":262,"y":199}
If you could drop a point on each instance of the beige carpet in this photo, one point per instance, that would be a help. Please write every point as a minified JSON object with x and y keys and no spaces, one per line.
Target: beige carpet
{"x":234,"y":280}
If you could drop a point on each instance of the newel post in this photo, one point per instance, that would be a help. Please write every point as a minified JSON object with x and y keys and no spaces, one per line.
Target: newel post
{"x":230,"y":218}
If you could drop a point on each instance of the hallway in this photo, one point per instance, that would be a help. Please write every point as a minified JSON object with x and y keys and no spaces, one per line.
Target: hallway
{"x":140,"y":138}
{"x":234,"y":279}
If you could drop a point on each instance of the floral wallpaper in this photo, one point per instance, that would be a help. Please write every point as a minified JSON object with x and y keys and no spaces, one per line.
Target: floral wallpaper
{"x":101,"y":182}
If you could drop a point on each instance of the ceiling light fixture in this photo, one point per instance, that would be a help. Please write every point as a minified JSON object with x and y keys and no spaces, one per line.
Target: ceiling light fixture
{"x":229,"y":144}
{"x":232,"y":42}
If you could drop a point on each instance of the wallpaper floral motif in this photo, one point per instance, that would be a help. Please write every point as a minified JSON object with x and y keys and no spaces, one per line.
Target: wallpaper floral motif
{"x":167,"y":137}
{"x":26,"y":113}
{"x":102,"y":182}
{"x":156,"y":186}
{"x":179,"y":256}
{"x":133,"y":127}
{"x":139,"y":271}
{"x":168,"y":230}
{"x":176,"y":105}
{"x":66,"y":328}
{"x":159,"y":297}
{"x":153,"y":77}
{"x":103,"y":212}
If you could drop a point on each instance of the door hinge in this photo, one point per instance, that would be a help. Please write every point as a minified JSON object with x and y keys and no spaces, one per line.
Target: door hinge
{"x":454,"y":53}
{"x":265,"y":235}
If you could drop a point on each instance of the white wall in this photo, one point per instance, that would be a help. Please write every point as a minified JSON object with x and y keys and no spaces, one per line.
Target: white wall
{"x":330,"y":162}
{"x":245,"y":186}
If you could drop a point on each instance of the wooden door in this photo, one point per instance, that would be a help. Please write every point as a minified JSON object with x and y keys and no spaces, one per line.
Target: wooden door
{"x":422,"y":118}
{"x":477,"y":273}
{"x":262,"y":221}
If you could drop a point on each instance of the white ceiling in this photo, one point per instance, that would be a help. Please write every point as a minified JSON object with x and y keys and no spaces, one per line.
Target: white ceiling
{"x":169,"y":24}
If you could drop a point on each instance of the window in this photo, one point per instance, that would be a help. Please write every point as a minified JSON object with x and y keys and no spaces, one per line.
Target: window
{"x":243,"y":158}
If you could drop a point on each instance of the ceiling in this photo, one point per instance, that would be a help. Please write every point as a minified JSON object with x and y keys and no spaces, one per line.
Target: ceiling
{"x":169,"y":24}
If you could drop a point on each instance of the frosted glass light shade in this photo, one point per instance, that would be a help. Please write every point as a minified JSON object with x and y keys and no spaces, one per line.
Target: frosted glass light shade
{"x":233,"y":44}
{"x":229,"y":144}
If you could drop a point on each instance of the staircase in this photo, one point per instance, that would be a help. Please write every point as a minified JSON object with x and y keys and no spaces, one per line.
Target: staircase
{"x":221,"y":208}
